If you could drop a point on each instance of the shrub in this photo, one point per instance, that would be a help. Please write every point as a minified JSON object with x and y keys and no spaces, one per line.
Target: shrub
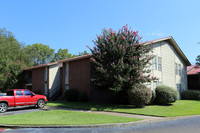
{"x":71,"y":95}
{"x":140,"y":95}
{"x":165,"y":95}
{"x":153,"y":97}
{"x":84,"y":97}
{"x":191,"y":95}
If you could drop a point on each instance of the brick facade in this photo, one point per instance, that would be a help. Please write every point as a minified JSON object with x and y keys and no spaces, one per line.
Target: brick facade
{"x":38,"y":80}
{"x":79,"y":75}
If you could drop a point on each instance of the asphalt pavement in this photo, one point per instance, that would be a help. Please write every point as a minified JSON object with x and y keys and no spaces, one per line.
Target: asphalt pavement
{"x":20,"y":110}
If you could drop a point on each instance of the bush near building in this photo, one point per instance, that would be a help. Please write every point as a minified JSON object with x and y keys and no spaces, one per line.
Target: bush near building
{"x":140,"y":95}
{"x":165,"y":95}
{"x":191,"y":95}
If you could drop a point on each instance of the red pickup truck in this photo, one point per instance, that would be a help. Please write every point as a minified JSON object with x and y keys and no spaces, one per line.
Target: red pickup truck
{"x":21,"y":97}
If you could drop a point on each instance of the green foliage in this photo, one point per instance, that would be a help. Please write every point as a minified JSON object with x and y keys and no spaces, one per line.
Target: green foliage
{"x":191,"y":95}
{"x":119,"y":60}
{"x":165,"y":95}
{"x":62,"y":54}
{"x":83,"y":53}
{"x":140,"y":95}
{"x":198,"y":60}
{"x":84,"y":97}
{"x":12,"y":59}
{"x":71,"y":95}
{"x":39,"y":53}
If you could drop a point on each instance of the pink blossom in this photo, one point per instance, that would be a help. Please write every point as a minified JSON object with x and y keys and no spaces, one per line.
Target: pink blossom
{"x":93,"y":59}
{"x":123,"y":37}
{"x":87,"y":46}
{"x":100,"y":36}
{"x":152,"y":51}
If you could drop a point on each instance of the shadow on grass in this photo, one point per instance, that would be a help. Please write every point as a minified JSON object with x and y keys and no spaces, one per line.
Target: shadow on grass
{"x":90,"y":105}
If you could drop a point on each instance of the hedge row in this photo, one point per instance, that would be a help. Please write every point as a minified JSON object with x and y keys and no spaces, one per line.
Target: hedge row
{"x":191,"y":95}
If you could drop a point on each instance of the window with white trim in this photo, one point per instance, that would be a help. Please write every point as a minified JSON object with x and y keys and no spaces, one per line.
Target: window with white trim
{"x":159,"y":64}
{"x":179,"y":69}
{"x":176,"y":68}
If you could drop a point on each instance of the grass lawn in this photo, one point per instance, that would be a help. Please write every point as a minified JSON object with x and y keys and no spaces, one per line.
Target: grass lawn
{"x":179,"y":108}
{"x":62,"y":117}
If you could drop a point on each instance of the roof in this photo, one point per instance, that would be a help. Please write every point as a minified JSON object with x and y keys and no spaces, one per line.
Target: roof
{"x":191,"y":67}
{"x":175,"y":46}
{"x":170,"y":39}
{"x":57,"y":62}
{"x":193,"y":70}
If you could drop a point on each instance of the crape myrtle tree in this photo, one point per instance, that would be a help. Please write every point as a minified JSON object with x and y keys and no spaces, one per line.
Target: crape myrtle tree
{"x":120,"y":60}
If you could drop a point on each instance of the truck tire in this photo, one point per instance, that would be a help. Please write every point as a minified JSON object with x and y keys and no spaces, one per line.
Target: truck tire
{"x":40,"y":103}
{"x":3,"y":107}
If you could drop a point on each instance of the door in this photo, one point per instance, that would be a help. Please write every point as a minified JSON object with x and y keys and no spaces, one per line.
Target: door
{"x":19,"y":98}
{"x":30,"y":98}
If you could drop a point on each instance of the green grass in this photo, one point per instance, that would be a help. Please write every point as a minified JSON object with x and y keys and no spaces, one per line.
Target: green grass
{"x":179,"y":108}
{"x":62,"y":117}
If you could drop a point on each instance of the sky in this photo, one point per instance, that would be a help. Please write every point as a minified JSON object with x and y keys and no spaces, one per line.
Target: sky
{"x":73,"y":24}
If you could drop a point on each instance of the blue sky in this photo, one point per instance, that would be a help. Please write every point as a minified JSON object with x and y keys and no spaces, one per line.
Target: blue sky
{"x":73,"y":24}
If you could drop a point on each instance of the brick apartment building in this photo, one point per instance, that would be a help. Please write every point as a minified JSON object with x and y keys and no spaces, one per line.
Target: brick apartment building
{"x":52,"y":79}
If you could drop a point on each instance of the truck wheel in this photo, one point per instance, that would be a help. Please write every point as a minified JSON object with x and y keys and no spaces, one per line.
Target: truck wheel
{"x":3,"y":107}
{"x":40,"y":103}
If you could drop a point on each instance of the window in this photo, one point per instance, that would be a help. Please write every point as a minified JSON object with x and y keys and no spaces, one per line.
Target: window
{"x":176,"y":68}
{"x":159,"y":64}
{"x":10,"y":93}
{"x":28,"y":93}
{"x":179,"y":69}
{"x":154,"y":63}
{"x":19,"y":93}
{"x":183,"y":72}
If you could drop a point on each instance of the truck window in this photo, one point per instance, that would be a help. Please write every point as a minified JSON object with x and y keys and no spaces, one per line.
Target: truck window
{"x":10,"y":93}
{"x":28,"y":93}
{"x":19,"y":93}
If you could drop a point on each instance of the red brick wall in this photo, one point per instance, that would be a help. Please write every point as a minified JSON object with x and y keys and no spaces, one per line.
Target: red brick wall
{"x":79,"y":75}
{"x":38,"y":80}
